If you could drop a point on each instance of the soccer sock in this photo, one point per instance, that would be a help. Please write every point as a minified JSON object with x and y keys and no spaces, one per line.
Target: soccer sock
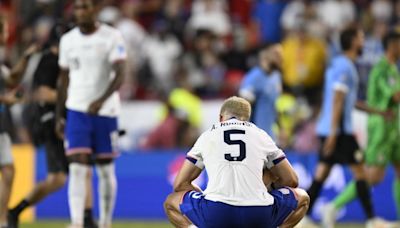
{"x":348,"y":195}
{"x":88,"y":216}
{"x":396,"y":192}
{"x":107,"y":192}
{"x":77,"y":192}
{"x":20,"y":207}
{"x":364,"y":194}
{"x":313,"y":192}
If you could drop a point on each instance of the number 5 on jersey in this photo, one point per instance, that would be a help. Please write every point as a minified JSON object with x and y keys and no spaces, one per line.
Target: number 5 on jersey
{"x":229,"y":141}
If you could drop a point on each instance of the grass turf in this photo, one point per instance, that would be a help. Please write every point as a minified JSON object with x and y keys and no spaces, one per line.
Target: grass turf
{"x":132,"y":224}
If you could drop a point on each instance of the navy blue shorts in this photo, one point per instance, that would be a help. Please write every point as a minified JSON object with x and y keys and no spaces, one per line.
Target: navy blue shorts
{"x":91,"y":134}
{"x":208,"y":214}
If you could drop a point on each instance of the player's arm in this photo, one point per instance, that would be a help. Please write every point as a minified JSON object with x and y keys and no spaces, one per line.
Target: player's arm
{"x":363,"y":106}
{"x":16,"y":73}
{"x":62,"y":86}
{"x":337,"y":110}
{"x":118,"y":68}
{"x":283,"y":174}
{"x":187,"y":174}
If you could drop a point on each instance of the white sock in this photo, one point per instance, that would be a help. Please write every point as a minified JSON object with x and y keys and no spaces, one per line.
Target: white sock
{"x":107,"y":192}
{"x":77,"y":192}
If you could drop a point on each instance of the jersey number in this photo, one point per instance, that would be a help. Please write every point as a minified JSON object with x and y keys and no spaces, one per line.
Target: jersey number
{"x":229,"y":141}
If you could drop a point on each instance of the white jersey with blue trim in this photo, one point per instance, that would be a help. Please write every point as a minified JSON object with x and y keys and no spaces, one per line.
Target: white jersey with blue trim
{"x":89,"y":59}
{"x":234,"y":154}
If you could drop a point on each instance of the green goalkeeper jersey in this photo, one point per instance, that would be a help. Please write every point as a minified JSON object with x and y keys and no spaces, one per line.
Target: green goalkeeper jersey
{"x":383,"y":83}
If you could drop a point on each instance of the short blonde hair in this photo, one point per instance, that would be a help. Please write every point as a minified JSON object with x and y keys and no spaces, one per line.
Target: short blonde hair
{"x":236,"y":107}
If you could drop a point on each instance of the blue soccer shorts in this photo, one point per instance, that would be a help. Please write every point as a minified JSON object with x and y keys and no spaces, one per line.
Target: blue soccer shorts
{"x":91,"y":134}
{"x":209,"y":214}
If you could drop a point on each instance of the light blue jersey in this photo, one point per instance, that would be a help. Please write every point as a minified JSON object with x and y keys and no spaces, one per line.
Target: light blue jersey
{"x":341,"y":75}
{"x":263,"y":90}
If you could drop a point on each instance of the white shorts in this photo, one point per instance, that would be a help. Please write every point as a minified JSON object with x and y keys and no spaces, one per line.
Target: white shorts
{"x":5,"y":150}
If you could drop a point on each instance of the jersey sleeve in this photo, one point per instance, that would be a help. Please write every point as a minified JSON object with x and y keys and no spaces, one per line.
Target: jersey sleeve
{"x":63,"y":55}
{"x":273,"y":154}
{"x":248,"y":87}
{"x":195,"y":155}
{"x":118,"y":49}
{"x":342,"y":81}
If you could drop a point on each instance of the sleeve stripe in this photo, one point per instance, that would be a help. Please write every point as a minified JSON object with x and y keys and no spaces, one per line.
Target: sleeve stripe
{"x":341,"y":87}
{"x":276,"y":161}
{"x":192,"y":160}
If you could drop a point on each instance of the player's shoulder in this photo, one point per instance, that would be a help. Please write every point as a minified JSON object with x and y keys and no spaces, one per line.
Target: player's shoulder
{"x":108,"y":30}
{"x":254,"y":72}
{"x":71,"y":34}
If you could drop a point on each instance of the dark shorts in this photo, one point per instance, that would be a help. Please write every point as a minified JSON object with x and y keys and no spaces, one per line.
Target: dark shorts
{"x":346,"y":151}
{"x":55,"y":154}
{"x":91,"y":134}
{"x":209,"y":214}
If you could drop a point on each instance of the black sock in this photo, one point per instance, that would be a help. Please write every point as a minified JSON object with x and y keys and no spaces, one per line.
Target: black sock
{"x":88,"y":216}
{"x":364,"y":194}
{"x":20,"y":207}
{"x":313,"y":192}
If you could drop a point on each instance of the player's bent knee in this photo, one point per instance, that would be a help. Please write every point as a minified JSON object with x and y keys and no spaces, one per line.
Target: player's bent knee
{"x":173,"y":200}
{"x":302,"y":197}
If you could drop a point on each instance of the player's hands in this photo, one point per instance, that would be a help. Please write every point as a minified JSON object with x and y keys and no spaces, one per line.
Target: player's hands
{"x":45,"y":94}
{"x":329,"y":145}
{"x":9,"y":98}
{"x":396,"y":97}
{"x":60,"y":125}
{"x":95,"y":107}
{"x":388,"y":115}
{"x":31,"y":50}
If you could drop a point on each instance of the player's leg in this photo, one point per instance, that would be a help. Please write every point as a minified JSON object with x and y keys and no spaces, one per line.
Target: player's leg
{"x":173,"y":211}
{"x":88,"y":220}
{"x":321,"y":173}
{"x":7,"y":176}
{"x":105,"y":140}
{"x":56,"y":177}
{"x":303,"y":201}
{"x":375,"y":162}
{"x":363,"y":189}
{"x":79,"y":147}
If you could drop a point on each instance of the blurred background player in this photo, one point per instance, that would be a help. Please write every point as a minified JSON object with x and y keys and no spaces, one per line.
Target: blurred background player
{"x":383,"y":133}
{"x":334,"y":127}
{"x":44,"y":86}
{"x":9,"y":81}
{"x":236,"y":195}
{"x":91,"y":58}
{"x":262,"y":85}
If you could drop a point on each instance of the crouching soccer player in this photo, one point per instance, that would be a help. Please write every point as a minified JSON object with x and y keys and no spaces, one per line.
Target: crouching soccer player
{"x":235,"y":152}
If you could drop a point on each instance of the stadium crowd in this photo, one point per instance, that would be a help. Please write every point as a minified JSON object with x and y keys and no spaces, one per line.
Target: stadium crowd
{"x":202,"y":49}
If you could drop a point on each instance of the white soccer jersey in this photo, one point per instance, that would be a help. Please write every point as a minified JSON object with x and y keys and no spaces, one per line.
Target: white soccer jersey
{"x":234,"y":154}
{"x":89,"y":59}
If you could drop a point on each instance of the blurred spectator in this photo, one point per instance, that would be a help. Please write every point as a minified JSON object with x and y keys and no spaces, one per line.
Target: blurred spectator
{"x":174,"y":131}
{"x":175,"y":17}
{"x":210,"y":15}
{"x":267,"y":15}
{"x":382,"y":10}
{"x":262,"y":85}
{"x":183,"y":98}
{"x":336,"y":14}
{"x":301,"y":52}
{"x":135,"y":36}
{"x":181,"y":118}
{"x":206,"y":70}
{"x":162,"y":51}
